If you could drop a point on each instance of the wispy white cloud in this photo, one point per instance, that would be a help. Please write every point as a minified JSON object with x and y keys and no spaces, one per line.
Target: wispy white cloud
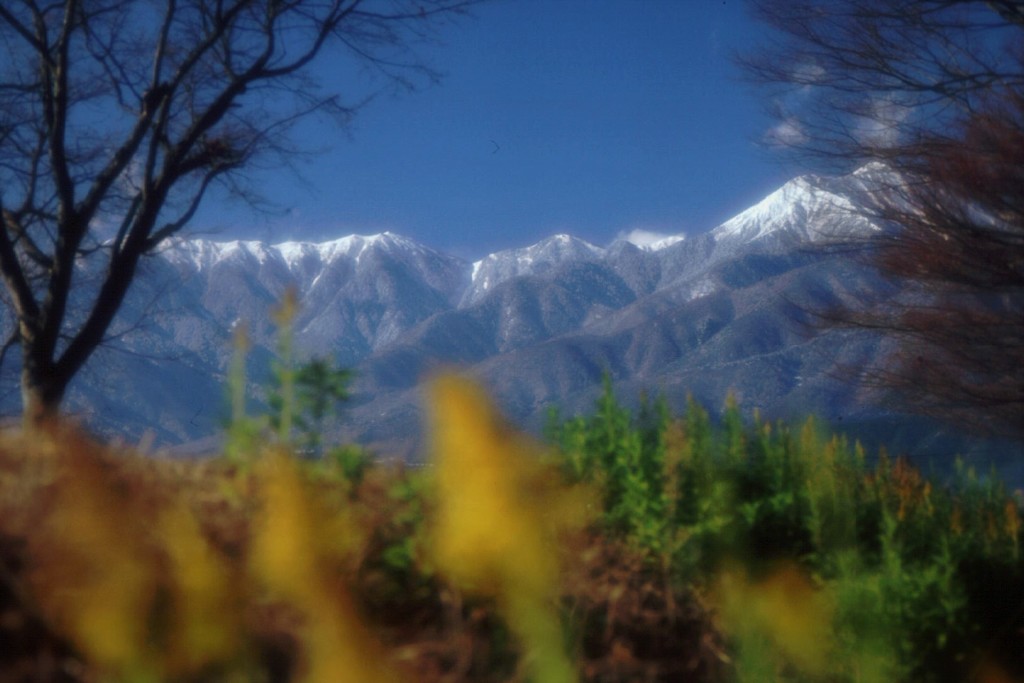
{"x":786,"y":108}
{"x":786,"y":133}
{"x":881,"y":122}
{"x":648,"y":239}
{"x":808,"y":74}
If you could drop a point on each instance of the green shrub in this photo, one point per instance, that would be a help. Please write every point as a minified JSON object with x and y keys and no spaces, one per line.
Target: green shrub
{"x":925,"y":580}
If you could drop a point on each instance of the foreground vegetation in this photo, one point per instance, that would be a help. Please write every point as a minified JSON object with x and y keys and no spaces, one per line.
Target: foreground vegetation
{"x":635,"y":547}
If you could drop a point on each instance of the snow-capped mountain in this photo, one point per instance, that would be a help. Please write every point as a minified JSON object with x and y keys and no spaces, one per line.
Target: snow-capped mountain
{"x":721,"y":311}
{"x":357,"y":293}
{"x":803,"y":210}
{"x":538,"y":259}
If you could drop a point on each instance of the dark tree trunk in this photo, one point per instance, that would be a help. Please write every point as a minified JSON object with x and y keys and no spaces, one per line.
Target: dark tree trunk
{"x":42,"y":391}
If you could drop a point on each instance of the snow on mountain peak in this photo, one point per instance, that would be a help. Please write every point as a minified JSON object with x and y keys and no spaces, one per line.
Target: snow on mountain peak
{"x":777,"y":210}
{"x":205,"y":253}
{"x":551,"y":250}
{"x":807,"y":208}
{"x":352,"y":246}
{"x":299,"y":257}
{"x":561,"y":246}
{"x":535,"y":259}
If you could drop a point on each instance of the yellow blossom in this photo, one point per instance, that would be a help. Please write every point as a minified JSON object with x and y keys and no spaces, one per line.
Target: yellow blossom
{"x":291,"y":557}
{"x":786,"y":609}
{"x":93,"y":574}
{"x":499,"y":508}
{"x":205,"y":599}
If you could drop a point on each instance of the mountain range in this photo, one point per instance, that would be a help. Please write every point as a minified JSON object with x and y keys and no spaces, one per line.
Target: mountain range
{"x":728,"y":310}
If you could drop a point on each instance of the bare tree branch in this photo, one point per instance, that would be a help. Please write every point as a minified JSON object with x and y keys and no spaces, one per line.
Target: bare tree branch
{"x":934,"y":90}
{"x":118,"y":117}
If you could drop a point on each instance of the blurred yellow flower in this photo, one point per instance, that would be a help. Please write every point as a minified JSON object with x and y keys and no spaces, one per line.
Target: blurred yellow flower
{"x":206,"y":605}
{"x":284,"y":313}
{"x":499,"y":510}
{"x":93,"y":574}
{"x":291,"y":556}
{"x":125,"y":574}
{"x":784,"y":609}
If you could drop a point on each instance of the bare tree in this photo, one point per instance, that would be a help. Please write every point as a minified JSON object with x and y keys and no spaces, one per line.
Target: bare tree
{"x":933,"y":92}
{"x":117,"y":117}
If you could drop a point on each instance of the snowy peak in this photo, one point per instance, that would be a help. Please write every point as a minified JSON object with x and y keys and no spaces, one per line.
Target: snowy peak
{"x":296,"y":256}
{"x":806,"y":209}
{"x":353,"y":247}
{"x":204,"y":254}
{"x":782,"y":210}
{"x":537,"y":259}
{"x":556,"y":250}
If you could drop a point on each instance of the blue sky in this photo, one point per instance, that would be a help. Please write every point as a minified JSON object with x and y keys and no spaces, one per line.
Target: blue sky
{"x":594,"y":117}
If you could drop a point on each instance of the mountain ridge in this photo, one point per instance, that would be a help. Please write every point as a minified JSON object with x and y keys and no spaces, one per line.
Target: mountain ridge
{"x":706,"y":314}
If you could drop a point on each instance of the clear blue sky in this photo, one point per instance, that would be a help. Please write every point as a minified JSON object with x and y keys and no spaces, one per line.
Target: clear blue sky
{"x":593,"y":117}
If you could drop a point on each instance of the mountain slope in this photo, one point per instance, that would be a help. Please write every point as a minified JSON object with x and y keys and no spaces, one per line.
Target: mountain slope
{"x":726,"y":310}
